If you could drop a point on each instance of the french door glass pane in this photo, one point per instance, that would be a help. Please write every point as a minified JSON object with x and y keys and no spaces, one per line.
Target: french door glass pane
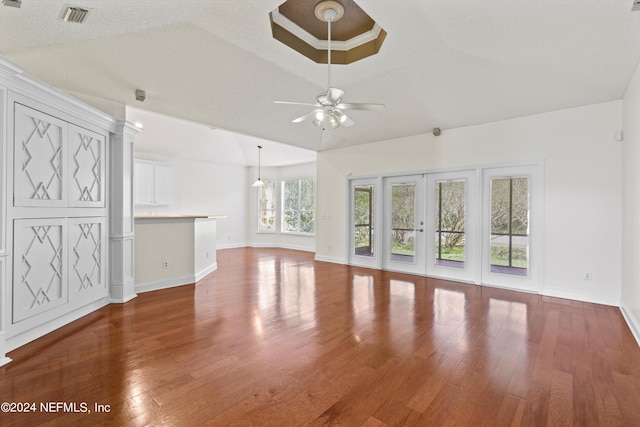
{"x":510,"y":225}
{"x":363,"y":202}
{"x":403,"y":208}
{"x":450,"y":216}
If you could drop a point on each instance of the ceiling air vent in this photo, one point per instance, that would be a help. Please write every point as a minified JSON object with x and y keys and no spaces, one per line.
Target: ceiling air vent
{"x":12,"y":3}
{"x":636,"y":5}
{"x":74,"y":14}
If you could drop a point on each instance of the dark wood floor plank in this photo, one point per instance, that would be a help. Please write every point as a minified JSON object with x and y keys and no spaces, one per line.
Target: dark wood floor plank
{"x":275,"y":338}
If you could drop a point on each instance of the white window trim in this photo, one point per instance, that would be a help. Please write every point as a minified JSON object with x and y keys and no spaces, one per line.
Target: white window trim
{"x":532,"y":282}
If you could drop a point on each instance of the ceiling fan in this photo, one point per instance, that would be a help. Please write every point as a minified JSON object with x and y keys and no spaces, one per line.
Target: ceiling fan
{"x":329,"y":111}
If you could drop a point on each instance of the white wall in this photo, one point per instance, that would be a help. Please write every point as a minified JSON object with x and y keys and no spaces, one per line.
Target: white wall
{"x":582,"y":187}
{"x":291,"y":241}
{"x":204,"y":188}
{"x":630,"y":298}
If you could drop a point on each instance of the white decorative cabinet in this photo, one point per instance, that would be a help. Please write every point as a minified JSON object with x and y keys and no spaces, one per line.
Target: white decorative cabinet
{"x":66,"y":209}
{"x":87,"y":259}
{"x":39,"y":163}
{"x":152,"y":183}
{"x":40,"y":266}
{"x":87,"y":163}
{"x":59,"y":216}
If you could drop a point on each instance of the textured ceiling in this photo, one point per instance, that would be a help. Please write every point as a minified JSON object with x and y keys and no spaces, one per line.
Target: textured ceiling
{"x":444,"y":63}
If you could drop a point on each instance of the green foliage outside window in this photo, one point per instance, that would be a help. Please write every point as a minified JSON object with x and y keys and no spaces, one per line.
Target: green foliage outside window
{"x":450,"y":213}
{"x":403,"y":198}
{"x":298,"y":206}
{"x":267,"y":208}
{"x":510,"y":222}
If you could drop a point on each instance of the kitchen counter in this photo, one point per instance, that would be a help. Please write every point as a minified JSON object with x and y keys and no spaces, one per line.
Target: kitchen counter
{"x":174,"y":250}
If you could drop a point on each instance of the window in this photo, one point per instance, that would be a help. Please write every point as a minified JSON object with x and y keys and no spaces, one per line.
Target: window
{"x":403,"y":228}
{"x":298,"y":212}
{"x":450,"y":214}
{"x":267,"y":208}
{"x":363,"y":220}
{"x":510,"y":225}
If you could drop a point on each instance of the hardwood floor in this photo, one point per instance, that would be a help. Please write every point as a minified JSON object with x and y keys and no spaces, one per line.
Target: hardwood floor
{"x":274,"y":338}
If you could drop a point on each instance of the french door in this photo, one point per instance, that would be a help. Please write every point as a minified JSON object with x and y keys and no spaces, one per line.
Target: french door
{"x":365,"y":205}
{"x":452,"y":225}
{"x":511,"y":252}
{"x":404,"y":224}
{"x":479,"y":225}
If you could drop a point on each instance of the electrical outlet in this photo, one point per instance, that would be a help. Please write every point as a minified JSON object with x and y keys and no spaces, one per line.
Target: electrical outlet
{"x":165,"y":264}
{"x":587,"y":276}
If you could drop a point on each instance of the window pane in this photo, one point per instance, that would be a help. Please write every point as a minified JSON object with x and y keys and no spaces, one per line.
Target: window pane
{"x":520,"y":220}
{"x":363,"y":220}
{"x":268,"y":195}
{"x":267,"y":220}
{"x":403,"y":197}
{"x":291,"y":194}
{"x":298,"y":210}
{"x":450,"y":216}
{"x":306,"y":222}
{"x":267,"y":202}
{"x":306,"y":194}
{"x":500,"y":250}
{"x":510,"y":225}
{"x":500,"y":205}
{"x":290,"y":221}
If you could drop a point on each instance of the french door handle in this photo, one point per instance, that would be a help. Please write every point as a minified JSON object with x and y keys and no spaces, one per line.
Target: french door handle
{"x":420,"y":230}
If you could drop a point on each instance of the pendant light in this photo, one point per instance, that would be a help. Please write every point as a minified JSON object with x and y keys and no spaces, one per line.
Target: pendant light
{"x":259,"y":182}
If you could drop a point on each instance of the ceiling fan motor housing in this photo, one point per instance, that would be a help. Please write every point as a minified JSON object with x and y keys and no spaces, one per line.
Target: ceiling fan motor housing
{"x":329,"y":10}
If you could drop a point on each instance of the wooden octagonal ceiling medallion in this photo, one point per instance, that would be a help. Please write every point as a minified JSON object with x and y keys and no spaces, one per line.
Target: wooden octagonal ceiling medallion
{"x":354,"y":35}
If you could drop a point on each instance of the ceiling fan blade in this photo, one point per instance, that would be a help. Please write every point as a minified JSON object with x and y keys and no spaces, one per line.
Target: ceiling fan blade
{"x":295,"y":103}
{"x":361,"y":106}
{"x":305,"y":117}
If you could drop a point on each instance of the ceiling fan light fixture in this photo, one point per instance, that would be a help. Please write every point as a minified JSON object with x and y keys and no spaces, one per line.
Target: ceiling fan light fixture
{"x":342,"y":117}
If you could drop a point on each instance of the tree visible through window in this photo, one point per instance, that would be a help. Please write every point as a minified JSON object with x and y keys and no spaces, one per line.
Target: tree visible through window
{"x":363,"y":220}
{"x":510,"y":225}
{"x":403,"y":208}
{"x":298,"y":211}
{"x":450,"y":214}
{"x":267,"y":207}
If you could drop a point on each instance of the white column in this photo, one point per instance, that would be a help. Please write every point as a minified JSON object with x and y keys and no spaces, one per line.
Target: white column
{"x":121,"y":230}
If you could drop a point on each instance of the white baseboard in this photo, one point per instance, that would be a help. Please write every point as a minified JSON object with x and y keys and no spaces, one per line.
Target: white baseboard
{"x":5,"y":360}
{"x":122,"y":301}
{"x":29,"y":335}
{"x":204,"y":272}
{"x":333,"y":260}
{"x":283,"y":246}
{"x":632,"y":322}
{"x":232,"y":245}
{"x":165,"y":283}
{"x":558,"y":293}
